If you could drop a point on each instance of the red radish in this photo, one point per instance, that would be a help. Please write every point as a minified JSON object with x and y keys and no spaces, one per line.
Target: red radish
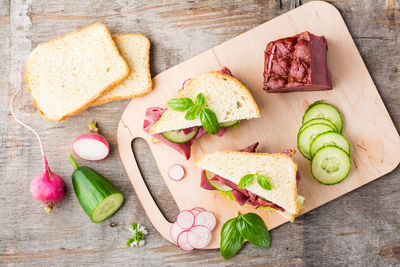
{"x":199,"y":209}
{"x":206,"y":219}
{"x":91,"y":146}
{"x":175,"y":231}
{"x":183,"y":241}
{"x":185,"y":219}
{"x":48,"y":188}
{"x":195,"y":212}
{"x":184,"y":83}
{"x":199,"y":236}
{"x":176,"y":172}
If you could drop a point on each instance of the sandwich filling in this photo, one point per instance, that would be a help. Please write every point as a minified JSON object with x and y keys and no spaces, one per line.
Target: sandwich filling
{"x":153,"y":114}
{"x":243,"y":196}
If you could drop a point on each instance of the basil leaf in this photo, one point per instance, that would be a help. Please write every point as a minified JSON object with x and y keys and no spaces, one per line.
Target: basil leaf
{"x":180,"y":104}
{"x":246,"y":181}
{"x":209,"y":121}
{"x":263,"y":182}
{"x":193,"y":112}
{"x":253,"y":229}
{"x":200,"y":99}
{"x":130,"y":241}
{"x":231,"y":240}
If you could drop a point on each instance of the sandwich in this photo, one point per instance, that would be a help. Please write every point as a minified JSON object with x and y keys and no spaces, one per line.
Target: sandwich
{"x":260,"y":180}
{"x":211,"y":103}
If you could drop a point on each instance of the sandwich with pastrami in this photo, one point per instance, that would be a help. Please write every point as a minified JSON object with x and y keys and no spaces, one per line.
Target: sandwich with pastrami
{"x":260,"y":180}
{"x":210,"y":103}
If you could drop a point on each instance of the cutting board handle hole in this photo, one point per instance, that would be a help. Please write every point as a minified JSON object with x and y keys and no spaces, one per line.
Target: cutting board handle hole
{"x":153,"y":179}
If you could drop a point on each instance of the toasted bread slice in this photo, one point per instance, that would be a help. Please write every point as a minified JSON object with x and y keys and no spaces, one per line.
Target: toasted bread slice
{"x":135,"y":48}
{"x":225,"y":95}
{"x":67,"y":74}
{"x":279,"y":169}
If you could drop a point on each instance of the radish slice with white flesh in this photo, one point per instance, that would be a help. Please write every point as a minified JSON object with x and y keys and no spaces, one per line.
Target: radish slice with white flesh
{"x":182,"y":241}
{"x":91,"y":146}
{"x":175,"y":231}
{"x":206,"y":219}
{"x":195,"y":212}
{"x":199,"y":209}
{"x":199,"y":236}
{"x":185,"y":219}
{"x":176,"y":172}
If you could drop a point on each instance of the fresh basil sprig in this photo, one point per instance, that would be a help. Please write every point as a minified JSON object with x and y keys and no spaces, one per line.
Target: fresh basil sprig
{"x":248,"y":227}
{"x":231,"y":240}
{"x":248,"y":179}
{"x":193,"y":110}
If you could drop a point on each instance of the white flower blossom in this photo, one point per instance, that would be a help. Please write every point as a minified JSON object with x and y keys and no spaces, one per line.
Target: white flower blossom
{"x":141,"y":243}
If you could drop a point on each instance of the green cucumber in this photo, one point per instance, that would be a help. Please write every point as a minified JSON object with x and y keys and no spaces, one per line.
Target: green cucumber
{"x":324,"y":110}
{"x":178,"y":136}
{"x":329,"y":138}
{"x":227,"y":124}
{"x":307,"y":135}
{"x":217,"y":184}
{"x":330,"y":165}
{"x":315,"y":121}
{"x":98,"y":197}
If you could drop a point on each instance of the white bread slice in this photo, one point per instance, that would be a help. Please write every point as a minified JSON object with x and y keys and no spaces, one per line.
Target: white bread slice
{"x":67,"y":74}
{"x":225,"y":95}
{"x":279,"y":168}
{"x":135,"y":49}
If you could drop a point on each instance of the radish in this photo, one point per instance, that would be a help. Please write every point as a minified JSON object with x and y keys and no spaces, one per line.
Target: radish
{"x":176,"y":172}
{"x":185,"y":219}
{"x":47,"y":188}
{"x":206,"y":219}
{"x":175,"y":231}
{"x":91,"y":146}
{"x":183,"y":241}
{"x":195,"y":212}
{"x":199,"y":236}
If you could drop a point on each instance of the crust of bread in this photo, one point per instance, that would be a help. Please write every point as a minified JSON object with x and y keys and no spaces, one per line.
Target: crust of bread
{"x":101,"y":101}
{"x":285,"y":214}
{"x":241,"y":85}
{"x":101,"y":92}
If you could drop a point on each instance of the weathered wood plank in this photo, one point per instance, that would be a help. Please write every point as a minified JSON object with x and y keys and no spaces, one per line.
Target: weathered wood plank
{"x":361,"y":228}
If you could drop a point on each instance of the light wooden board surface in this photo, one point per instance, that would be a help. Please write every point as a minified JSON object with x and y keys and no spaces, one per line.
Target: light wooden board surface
{"x":373,"y":154}
{"x":360,"y":228}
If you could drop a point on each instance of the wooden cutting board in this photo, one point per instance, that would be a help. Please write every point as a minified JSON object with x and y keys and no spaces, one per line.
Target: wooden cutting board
{"x":375,"y":143}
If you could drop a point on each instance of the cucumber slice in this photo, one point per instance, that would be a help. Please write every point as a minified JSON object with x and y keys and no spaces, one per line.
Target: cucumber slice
{"x":330,"y":165}
{"x":315,"y":121}
{"x":329,"y":138}
{"x":307,"y":135}
{"x":324,"y":110}
{"x":98,"y":197}
{"x":227,"y":124}
{"x":178,"y":136}
{"x":217,"y":184}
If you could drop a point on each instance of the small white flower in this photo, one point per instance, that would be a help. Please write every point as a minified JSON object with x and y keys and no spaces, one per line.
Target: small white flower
{"x":141,"y":243}
{"x":144,"y":232}
{"x":134,"y":244}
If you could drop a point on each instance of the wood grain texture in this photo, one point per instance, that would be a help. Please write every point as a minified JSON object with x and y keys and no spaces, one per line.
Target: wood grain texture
{"x":360,"y":228}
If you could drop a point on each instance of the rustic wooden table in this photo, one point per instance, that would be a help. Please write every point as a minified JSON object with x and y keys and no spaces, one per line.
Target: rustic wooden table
{"x":361,"y":228}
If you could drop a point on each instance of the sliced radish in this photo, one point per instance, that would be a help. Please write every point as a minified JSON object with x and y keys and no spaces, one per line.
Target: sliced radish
{"x":185,"y":219}
{"x":199,"y":236}
{"x":206,"y":219}
{"x":195,"y":212}
{"x":176,"y":172}
{"x":182,"y":241}
{"x":175,"y":231}
{"x":199,"y":209}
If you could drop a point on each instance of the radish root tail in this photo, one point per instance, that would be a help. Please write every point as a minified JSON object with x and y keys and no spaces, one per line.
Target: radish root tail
{"x":27,"y":126}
